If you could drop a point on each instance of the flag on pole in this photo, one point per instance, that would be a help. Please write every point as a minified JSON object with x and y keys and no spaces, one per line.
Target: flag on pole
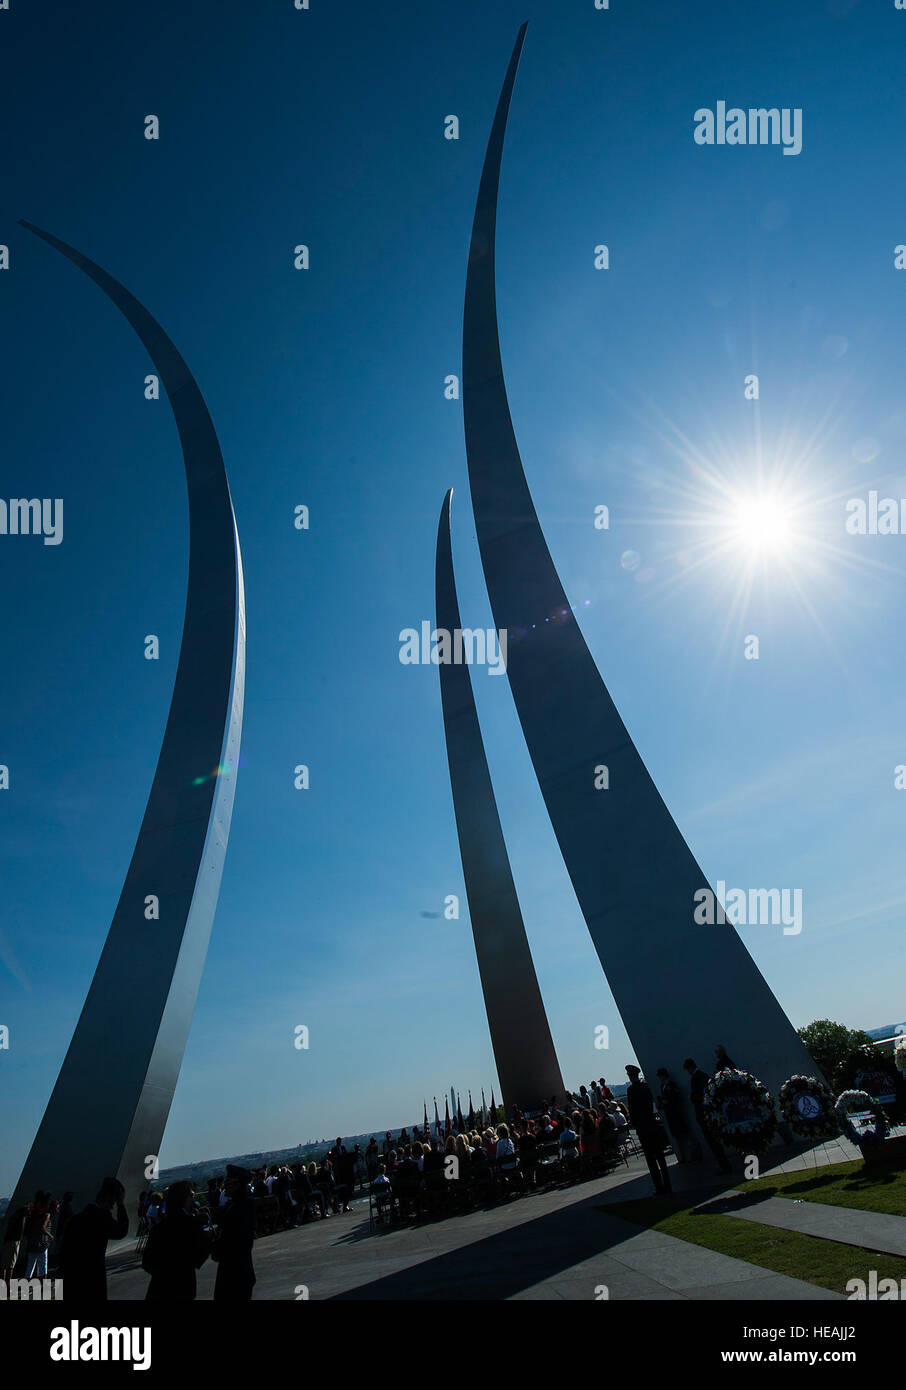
{"x":484,"y":1108}
{"x":426,"y":1131}
{"x":493,"y":1108}
{"x":471,"y":1113}
{"x":460,"y":1124}
{"x":436,"y":1118}
{"x":446,"y":1116}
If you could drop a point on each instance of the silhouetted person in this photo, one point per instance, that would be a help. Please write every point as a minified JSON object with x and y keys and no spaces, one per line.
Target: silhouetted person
{"x":38,"y":1236}
{"x":233,"y":1249}
{"x":724,"y":1063}
{"x":434,"y":1160}
{"x":65,"y":1215}
{"x":12,"y":1242}
{"x":306,"y":1192}
{"x":83,"y":1261}
{"x":334,"y":1192}
{"x":641,"y":1116}
{"x":344,"y":1165}
{"x":406,"y":1183}
{"x":698,"y":1080}
{"x":670,"y":1104}
{"x":177,"y":1247}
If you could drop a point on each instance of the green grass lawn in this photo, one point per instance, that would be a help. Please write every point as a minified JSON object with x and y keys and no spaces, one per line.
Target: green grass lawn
{"x":840,"y":1185}
{"x":823,"y":1262}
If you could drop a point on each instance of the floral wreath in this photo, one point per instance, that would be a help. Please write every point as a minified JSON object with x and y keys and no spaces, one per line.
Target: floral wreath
{"x":807,"y":1106}
{"x":751,"y":1130}
{"x":899,"y":1054}
{"x":847,"y":1102}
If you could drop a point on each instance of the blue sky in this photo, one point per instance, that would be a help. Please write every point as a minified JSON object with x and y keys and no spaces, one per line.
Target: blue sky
{"x":326,"y":388}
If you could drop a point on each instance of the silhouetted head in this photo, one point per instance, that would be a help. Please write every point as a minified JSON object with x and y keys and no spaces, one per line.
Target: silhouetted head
{"x":179,"y":1196}
{"x":111,"y":1191}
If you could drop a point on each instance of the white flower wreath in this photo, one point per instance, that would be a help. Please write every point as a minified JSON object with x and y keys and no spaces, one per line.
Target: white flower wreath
{"x":849,"y":1102}
{"x":754,"y":1128}
{"x":807,"y":1105}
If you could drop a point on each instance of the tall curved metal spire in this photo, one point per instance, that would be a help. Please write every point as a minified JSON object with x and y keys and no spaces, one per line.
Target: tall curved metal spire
{"x":112,"y":1097}
{"x":681,"y":988}
{"x":527,"y":1065}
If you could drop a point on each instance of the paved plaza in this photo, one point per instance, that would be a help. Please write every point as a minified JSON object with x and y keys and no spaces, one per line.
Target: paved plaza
{"x":550,"y":1245}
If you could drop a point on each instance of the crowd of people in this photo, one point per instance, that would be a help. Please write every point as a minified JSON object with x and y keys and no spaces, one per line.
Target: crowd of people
{"x":466,"y":1160}
{"x":565,"y":1141}
{"x":177,"y":1236}
{"x":45,"y":1237}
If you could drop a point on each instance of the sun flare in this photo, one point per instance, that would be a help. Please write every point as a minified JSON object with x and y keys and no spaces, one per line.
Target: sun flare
{"x":761,"y":522}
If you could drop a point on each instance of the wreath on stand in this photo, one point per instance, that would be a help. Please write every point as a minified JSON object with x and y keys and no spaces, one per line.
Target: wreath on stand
{"x":740,"y":1110}
{"x":807,"y":1106}
{"x":899,"y":1055}
{"x":849,"y":1102}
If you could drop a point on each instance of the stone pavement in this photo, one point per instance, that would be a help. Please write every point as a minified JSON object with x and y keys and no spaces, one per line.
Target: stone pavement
{"x":871,"y":1229}
{"x":550,"y":1245}
{"x":838,"y":1150}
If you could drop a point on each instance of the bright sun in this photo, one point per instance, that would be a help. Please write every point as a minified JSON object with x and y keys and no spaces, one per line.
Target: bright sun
{"x":761,"y":523}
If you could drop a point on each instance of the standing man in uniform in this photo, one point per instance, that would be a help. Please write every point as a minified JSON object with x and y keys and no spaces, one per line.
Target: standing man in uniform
{"x":233,"y":1247}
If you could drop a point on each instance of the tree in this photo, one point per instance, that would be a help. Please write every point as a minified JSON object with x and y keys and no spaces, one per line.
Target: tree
{"x":831,"y":1046}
